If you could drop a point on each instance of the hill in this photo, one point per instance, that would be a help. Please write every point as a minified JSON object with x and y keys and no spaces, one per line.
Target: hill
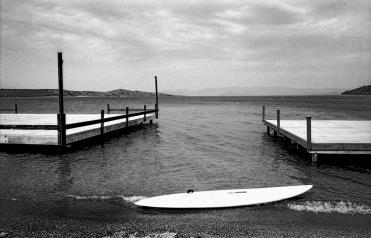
{"x":257,"y":91}
{"x":54,"y":92}
{"x":365,"y":90}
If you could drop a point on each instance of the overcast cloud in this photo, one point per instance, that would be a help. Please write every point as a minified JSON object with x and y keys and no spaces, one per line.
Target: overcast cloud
{"x":188,"y":44}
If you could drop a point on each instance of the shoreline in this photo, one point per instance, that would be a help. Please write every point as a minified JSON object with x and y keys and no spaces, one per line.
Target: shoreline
{"x":115,"y":219}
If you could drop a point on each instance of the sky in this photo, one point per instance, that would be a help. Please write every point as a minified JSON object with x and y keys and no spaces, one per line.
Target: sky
{"x":189,"y":45}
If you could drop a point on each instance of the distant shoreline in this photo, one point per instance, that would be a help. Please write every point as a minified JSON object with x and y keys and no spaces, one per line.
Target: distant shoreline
{"x":71,"y":93}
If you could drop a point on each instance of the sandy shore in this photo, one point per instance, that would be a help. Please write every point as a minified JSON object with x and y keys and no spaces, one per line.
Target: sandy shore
{"x":114,"y":219}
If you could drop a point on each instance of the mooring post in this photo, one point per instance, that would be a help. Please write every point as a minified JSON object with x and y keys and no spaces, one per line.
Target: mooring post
{"x":268,"y":130}
{"x":278,"y":122}
{"x":61,"y":116}
{"x":309,"y":133}
{"x":263,"y":114}
{"x":127,"y":116}
{"x":102,"y":123}
{"x":144,"y":116}
{"x":15,"y":108}
{"x":156,"y":106}
{"x":108,"y":109}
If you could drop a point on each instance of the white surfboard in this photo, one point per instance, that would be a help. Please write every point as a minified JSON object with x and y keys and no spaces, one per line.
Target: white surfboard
{"x":223,"y":198}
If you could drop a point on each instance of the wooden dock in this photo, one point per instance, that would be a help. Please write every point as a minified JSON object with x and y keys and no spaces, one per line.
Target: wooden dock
{"x":42,"y":129}
{"x":323,"y":136}
{"x":62,"y":130}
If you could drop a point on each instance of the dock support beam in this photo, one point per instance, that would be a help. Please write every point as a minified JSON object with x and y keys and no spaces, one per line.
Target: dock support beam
{"x":127,"y":116}
{"x":61,"y":119}
{"x":108,"y":108}
{"x":278,"y":122}
{"x":263,"y":114}
{"x":61,"y":116}
{"x":15,"y":108}
{"x":102,"y":123}
{"x":309,"y":133}
{"x":314,"y":158}
{"x":144,"y":115}
{"x":156,"y":106}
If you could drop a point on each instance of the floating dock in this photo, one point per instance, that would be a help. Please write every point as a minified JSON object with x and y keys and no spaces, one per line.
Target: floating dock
{"x":323,"y":136}
{"x":42,"y":129}
{"x":62,"y":130}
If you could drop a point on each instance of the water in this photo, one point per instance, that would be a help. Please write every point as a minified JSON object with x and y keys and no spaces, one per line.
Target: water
{"x":202,"y":143}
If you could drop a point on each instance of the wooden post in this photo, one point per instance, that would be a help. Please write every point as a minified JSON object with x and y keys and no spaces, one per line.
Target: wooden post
{"x":144,"y":116}
{"x":60,"y":82}
{"x":263,"y":114}
{"x":268,"y":130}
{"x":61,"y":116}
{"x":156,"y":105}
{"x":108,"y":109}
{"x":61,"y":119}
{"x":278,"y":121}
{"x":309,"y":133}
{"x":102,"y":123}
{"x":127,"y":116}
{"x":15,"y":108}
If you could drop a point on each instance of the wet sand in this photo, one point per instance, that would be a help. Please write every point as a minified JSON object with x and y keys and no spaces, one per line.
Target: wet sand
{"x":115,"y":219}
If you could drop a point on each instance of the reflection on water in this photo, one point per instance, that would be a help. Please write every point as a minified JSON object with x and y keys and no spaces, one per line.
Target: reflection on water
{"x":198,"y":143}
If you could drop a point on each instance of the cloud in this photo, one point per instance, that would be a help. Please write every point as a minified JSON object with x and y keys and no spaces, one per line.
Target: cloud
{"x":259,"y":35}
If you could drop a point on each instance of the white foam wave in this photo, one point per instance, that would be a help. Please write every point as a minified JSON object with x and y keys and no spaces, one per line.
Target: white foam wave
{"x":131,"y":199}
{"x":330,"y":207}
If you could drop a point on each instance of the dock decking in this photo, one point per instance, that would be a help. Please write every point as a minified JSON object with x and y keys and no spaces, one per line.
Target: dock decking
{"x":324,"y":136}
{"x":49,"y":136}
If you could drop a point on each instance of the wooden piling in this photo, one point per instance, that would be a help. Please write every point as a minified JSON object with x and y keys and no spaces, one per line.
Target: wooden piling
{"x":102,"y":123}
{"x":61,"y":118}
{"x":15,"y":108}
{"x":60,"y":82}
{"x":314,"y":158}
{"x":144,"y":115}
{"x":263,"y":114}
{"x":127,"y":116}
{"x":309,"y":133}
{"x":278,"y":121}
{"x":156,"y":106}
{"x":108,"y":109}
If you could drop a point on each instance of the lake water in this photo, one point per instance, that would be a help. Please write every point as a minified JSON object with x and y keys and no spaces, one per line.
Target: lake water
{"x":199,"y":143}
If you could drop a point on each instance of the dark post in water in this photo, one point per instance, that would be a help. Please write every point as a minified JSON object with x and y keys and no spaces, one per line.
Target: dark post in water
{"x":108,"y":109}
{"x":156,"y":106}
{"x":61,"y":115}
{"x":263,"y":114}
{"x":15,"y":108}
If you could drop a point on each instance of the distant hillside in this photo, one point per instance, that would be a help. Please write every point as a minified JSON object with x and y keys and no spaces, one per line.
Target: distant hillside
{"x":365,"y":90}
{"x":257,"y":91}
{"x":54,"y":92}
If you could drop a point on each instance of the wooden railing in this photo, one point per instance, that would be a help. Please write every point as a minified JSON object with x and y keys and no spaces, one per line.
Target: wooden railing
{"x":62,"y":126}
{"x":15,"y":109}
